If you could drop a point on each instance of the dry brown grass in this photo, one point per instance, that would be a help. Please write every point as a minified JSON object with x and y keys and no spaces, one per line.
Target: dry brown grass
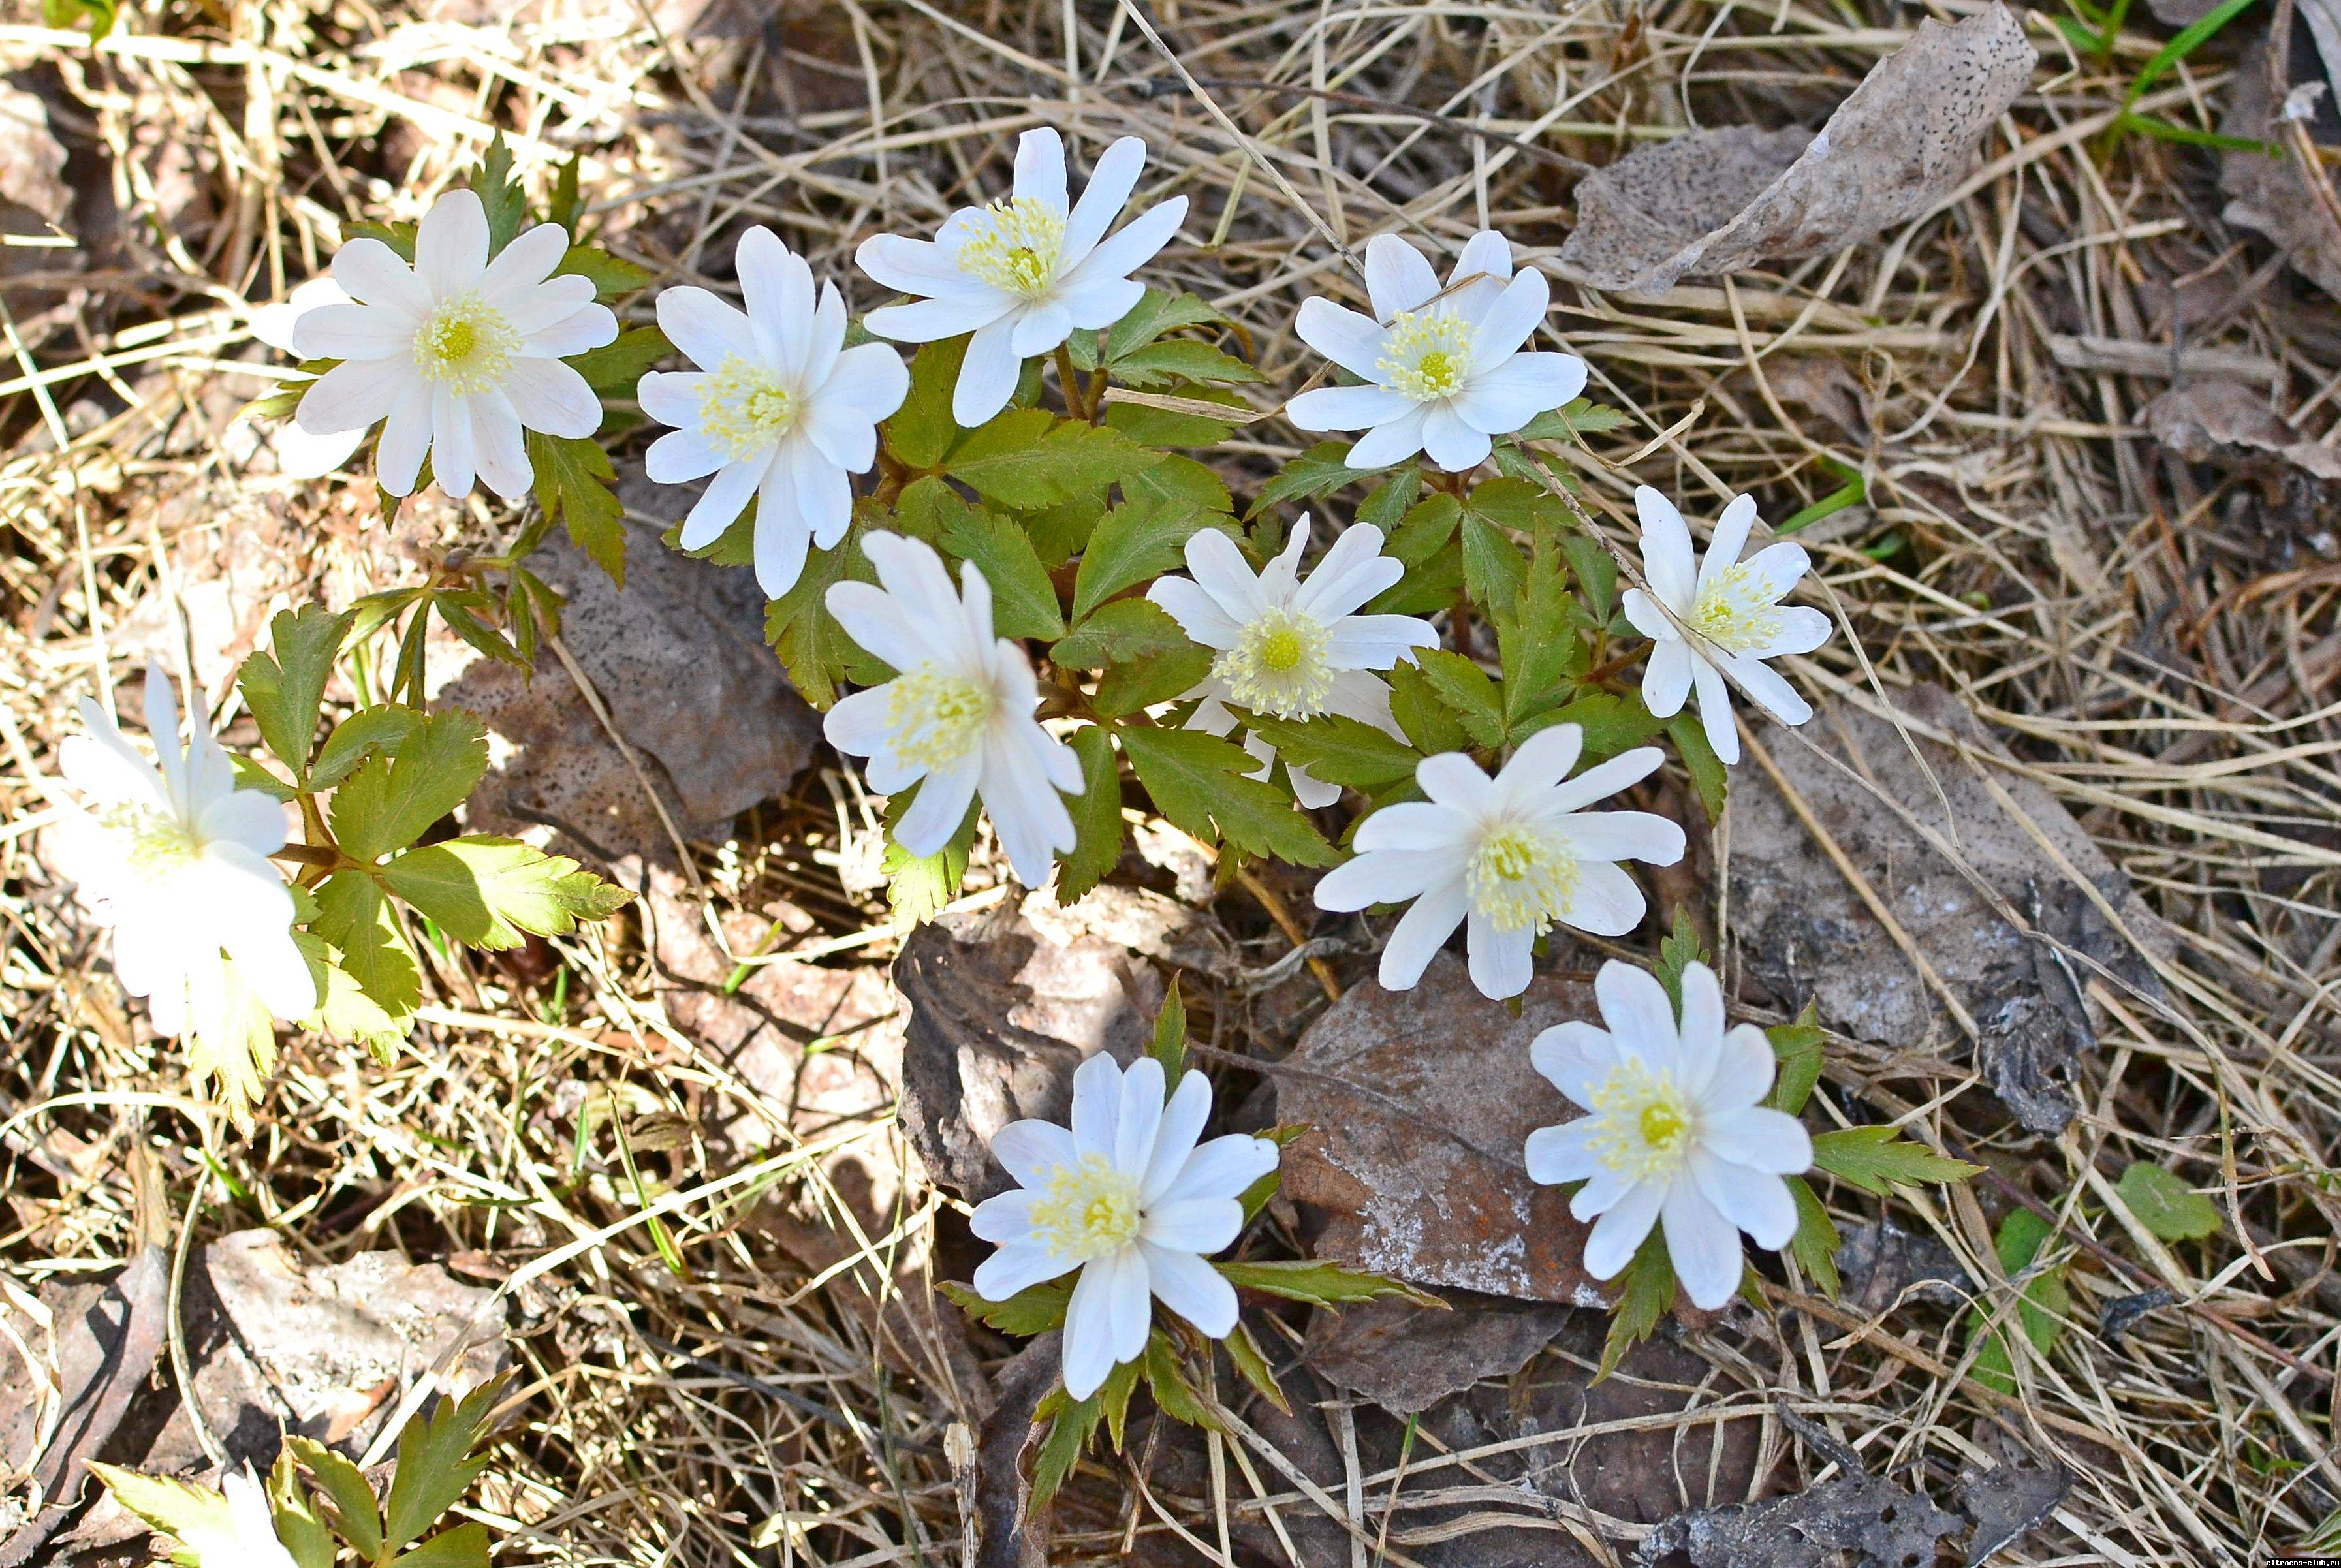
{"x":2160,"y":656}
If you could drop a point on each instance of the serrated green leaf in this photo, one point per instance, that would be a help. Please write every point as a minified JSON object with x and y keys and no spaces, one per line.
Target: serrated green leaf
{"x":1612,"y":723}
{"x":1595,"y":572}
{"x":1385,"y":505}
{"x":254,"y":776}
{"x":466,"y":1546}
{"x":1132,"y":542}
{"x":439,"y":1457}
{"x":1197,"y":782}
{"x":1035,"y":1309}
{"x":1098,"y":827}
{"x":1466,"y":691}
{"x":399,"y":236}
{"x":1169,"y":1045}
{"x":1179,"y":482}
{"x":1117,"y":632}
{"x":460,"y":609}
{"x":1169,"y":427}
{"x":1428,"y":723}
{"x":1307,"y":476}
{"x":811,"y":645}
{"x":1136,"y":685}
{"x":918,"y":886}
{"x":364,"y":733}
{"x":1256,"y":1197}
{"x":1582,"y":417}
{"x":1677,"y":952}
{"x":356,"y":1513}
{"x":1647,"y":1295}
{"x":1339,"y":750}
{"x":284,"y":686}
{"x":354,"y":917}
{"x":613,"y":277}
{"x":1251,"y":1365}
{"x":921,"y":432}
{"x":1180,"y":359}
{"x":1815,"y":1245}
{"x":1709,"y":776}
{"x":1874,"y":1159}
{"x":390,"y":801}
{"x":1027,"y":457}
{"x":1425,"y":528}
{"x":1536,"y":640}
{"x":2164,"y":1204}
{"x":499,"y":193}
{"x":616,"y":368}
{"x":1175,"y":1395}
{"x":1155,"y":314}
{"x":1517,"y":506}
{"x":299,"y":1527}
{"x":1798,"y":1049}
{"x":1023,"y":600}
{"x":496,"y":893}
{"x":1113,"y":1398}
{"x":177,"y":1508}
{"x":1059,"y":532}
{"x":1320,"y":1281}
{"x":1069,"y":1436}
{"x":1492,"y":568}
{"x":2040,"y":1310}
{"x":344,"y":1010}
{"x":573,"y":484}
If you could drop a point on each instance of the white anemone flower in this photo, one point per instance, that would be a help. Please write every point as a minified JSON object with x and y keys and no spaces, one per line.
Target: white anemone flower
{"x":299,"y":454}
{"x":1444,"y":372}
{"x":1731,"y":610}
{"x":1128,"y":1198}
{"x":779,"y":408}
{"x":1024,"y":274}
{"x":175,"y":860}
{"x":1288,"y":648}
{"x":958,"y":713}
{"x":457,"y":355}
{"x":249,"y":1539}
{"x":1513,"y":855}
{"x":1676,"y":1131}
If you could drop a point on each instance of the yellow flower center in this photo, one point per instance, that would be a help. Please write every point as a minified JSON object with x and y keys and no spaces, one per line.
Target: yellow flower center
{"x":937,"y":718}
{"x":1644,"y":1125}
{"x":1733,"y":613}
{"x":467,"y":345}
{"x":743,"y":408}
{"x":1426,"y":355}
{"x":1088,"y":1210}
{"x":1013,"y":245}
{"x":1521,"y":878}
{"x":154,"y":843}
{"x":1279,"y":665}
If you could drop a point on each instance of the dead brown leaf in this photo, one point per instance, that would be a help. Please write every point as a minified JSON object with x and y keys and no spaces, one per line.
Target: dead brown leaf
{"x":2197,"y":420}
{"x":1716,"y":202}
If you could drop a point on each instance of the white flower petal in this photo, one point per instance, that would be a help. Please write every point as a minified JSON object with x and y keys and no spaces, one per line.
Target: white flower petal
{"x":551,"y":396}
{"x":1801,"y":631}
{"x":1197,"y":613}
{"x":917,"y":267}
{"x":1762,"y":1139}
{"x":549,"y":304}
{"x":1643,"y":613}
{"x":1558,"y":1154}
{"x":783,"y":535}
{"x":1602,"y":779}
{"x":1192,"y":1288}
{"x":405,"y":440}
{"x":1665,"y":681}
{"x":1030,"y":1149}
{"x":451,"y":245}
{"x":776,"y":285}
{"x":1349,"y":340}
{"x":720,"y":504}
{"x":1502,"y":962}
{"x":1219,"y":569}
{"x":1575,"y":1057}
{"x":1183,"y":1116}
{"x":941,"y":805}
{"x":352,"y":396}
{"x":1620,"y":1229}
{"x":926,"y":320}
{"x":1542,"y":760}
{"x":1642,"y":1019}
{"x":1379,"y":642}
{"x":1745,"y":1065}
{"x":1346,"y":407}
{"x":1193,"y":1225}
{"x":1221,"y":1168}
{"x":1016,"y":1267}
{"x":1398,"y":278}
{"x":869,"y":381}
{"x":988,"y":375}
{"x":1093,"y":303}
{"x":589,"y":326}
{"x":1615,"y":836}
{"x":1703,"y":1245}
{"x":1730,"y":537}
{"x":1510,"y":319}
{"x":455,"y":444}
{"x":680,"y":457}
{"x":1041,"y":168}
{"x":707,"y":329}
{"x":373,"y":272}
{"x":1102,"y":199}
{"x":1140,"y":1115}
{"x":1040,"y":328}
{"x":499,"y":445}
{"x":353,"y":331}
{"x":1138,"y":242}
{"x":1448,"y":442}
{"x":525,"y":263}
{"x":1453,"y":780}
{"x":1502,"y":398}
{"x":1751,"y":1201}
{"x":1097,"y":1105}
{"x":1715,"y":710}
{"x":1666,"y":549}
{"x":1423,"y":930}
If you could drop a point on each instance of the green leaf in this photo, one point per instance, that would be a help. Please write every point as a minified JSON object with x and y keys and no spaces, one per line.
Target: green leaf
{"x":1180,"y":359}
{"x":390,"y":802}
{"x":1117,"y":632}
{"x":1173,"y":1394}
{"x":1466,"y":691}
{"x":63,"y":15}
{"x":1595,"y":572}
{"x":573,"y":484}
{"x":399,"y":236}
{"x":364,"y":734}
{"x":1138,"y":684}
{"x":921,"y":432}
{"x":918,"y":886}
{"x":176,"y":1508}
{"x":284,"y":686}
{"x":1197,"y":782}
{"x":1425,"y":529}
{"x":355,"y":1513}
{"x":344,"y":1010}
{"x":466,"y":1546}
{"x":501,"y":194}
{"x":1709,"y":776}
{"x":1178,"y":483}
{"x":810,"y":644}
{"x":1310,"y":475}
{"x":1113,"y":1397}
{"x":1251,"y":1364}
{"x":1023,"y":601}
{"x":2165,"y":1204}
{"x":1097,"y":828}
{"x":1170,"y":1043}
{"x":1648,"y":1295}
{"x":255,"y":775}
{"x":2039,"y":1312}
{"x":1132,"y":542}
{"x":356,"y":920}
{"x":1168,"y":427}
{"x":439,"y":1457}
{"x":1536,"y":638}
{"x":614,"y":277}
{"x":1035,"y":1309}
{"x":1386,"y":506}
{"x":495,"y":893}
{"x":1582,"y":417}
{"x":1492,"y":567}
{"x":1339,"y":750}
{"x":1815,"y":1245}
{"x":615,"y":368}
{"x":1677,"y":952}
{"x":1027,"y":457}
{"x":1874,"y":1159}
{"x":294,"y":1512}
{"x":1059,"y":531}
{"x":1069,"y":1435}
{"x":1612,"y":723}
{"x":1155,"y":314}
{"x":1255,"y":1197}
{"x":1797,"y":1047}
{"x":1427,"y":720}
{"x":566,"y":201}
{"x":1319,"y":1282}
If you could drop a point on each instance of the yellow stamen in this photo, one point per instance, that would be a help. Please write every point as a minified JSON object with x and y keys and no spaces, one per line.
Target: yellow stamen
{"x":1088,"y":1210}
{"x":467,"y":346}
{"x":743,"y":408}
{"x":1521,"y":878}
{"x":937,"y":718}
{"x":1644,"y":1125}
{"x":1280,"y":665}
{"x":1426,"y":355}
{"x":1013,"y":245}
